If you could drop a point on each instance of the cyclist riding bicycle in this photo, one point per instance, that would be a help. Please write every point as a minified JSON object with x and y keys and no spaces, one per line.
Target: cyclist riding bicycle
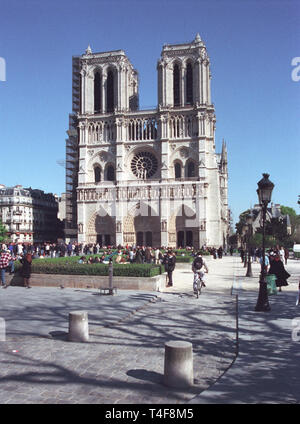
{"x":197,"y":267}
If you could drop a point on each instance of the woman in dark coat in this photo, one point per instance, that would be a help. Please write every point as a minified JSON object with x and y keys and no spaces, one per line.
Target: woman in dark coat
{"x":169,"y":263}
{"x":139,"y":257}
{"x":26,"y":269}
{"x":277,"y":268}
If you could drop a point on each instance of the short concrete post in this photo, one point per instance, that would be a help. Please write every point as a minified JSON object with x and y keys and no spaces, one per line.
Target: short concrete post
{"x":178,"y":370}
{"x":78,"y":326}
{"x":2,"y":330}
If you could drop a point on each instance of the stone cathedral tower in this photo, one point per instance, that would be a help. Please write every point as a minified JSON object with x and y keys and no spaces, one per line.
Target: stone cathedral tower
{"x":145,"y":177}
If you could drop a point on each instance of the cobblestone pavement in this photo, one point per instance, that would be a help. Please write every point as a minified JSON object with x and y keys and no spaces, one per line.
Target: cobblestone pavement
{"x":267,"y":369}
{"x":124,"y":359}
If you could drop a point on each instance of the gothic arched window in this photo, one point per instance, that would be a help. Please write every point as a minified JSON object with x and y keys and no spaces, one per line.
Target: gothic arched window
{"x":189,"y":84}
{"x":191,"y":169}
{"x":110,"y":91}
{"x":110,"y":173}
{"x":97,"y":92}
{"x":177,"y":169}
{"x":97,"y":174}
{"x":176,"y":85}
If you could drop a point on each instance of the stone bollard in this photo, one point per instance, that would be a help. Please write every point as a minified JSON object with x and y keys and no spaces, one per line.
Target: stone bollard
{"x":2,"y":330}
{"x":178,"y":370}
{"x":78,"y":326}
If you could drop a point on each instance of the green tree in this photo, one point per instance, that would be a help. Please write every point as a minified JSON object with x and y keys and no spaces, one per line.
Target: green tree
{"x":232,"y":240}
{"x":3,"y":232}
{"x":256,"y":240}
{"x":294,"y":219}
{"x":242,"y":222}
{"x":275,"y":230}
{"x":286,"y":210}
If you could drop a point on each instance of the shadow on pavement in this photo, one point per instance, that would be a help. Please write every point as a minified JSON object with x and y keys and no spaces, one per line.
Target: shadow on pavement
{"x":145,"y":375}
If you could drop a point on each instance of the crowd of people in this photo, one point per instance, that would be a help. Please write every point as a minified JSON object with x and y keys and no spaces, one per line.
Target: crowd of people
{"x":274,"y":265}
{"x":256,"y":253}
{"x":7,"y":259}
{"x":55,"y":250}
{"x":90,"y":254}
{"x":275,"y":258}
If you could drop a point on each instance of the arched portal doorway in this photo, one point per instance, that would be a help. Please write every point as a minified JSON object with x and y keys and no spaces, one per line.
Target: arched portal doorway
{"x":142,"y":226}
{"x":101,"y":229}
{"x":183,"y":228}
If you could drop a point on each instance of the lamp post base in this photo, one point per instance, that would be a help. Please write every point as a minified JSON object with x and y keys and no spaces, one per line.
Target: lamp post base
{"x":249,"y":270}
{"x":263,"y":308}
{"x":262,"y":304}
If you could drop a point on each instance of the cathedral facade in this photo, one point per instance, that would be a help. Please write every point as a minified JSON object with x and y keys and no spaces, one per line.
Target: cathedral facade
{"x":145,"y":177}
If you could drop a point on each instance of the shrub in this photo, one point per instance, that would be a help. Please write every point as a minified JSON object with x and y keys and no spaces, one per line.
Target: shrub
{"x":70,"y":266}
{"x":184,"y":259}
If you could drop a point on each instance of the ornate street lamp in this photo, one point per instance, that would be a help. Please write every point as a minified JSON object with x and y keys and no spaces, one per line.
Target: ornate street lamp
{"x":249,"y":220}
{"x":264,"y":191}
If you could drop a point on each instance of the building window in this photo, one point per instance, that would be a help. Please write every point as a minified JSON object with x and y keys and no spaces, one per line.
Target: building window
{"x":97,"y":174}
{"x":177,"y":169}
{"x":97,"y":92}
{"x":110,"y":91}
{"x":144,"y":165}
{"x":189,"y":84}
{"x":110,"y":173}
{"x":176,"y":85}
{"x":191,"y":169}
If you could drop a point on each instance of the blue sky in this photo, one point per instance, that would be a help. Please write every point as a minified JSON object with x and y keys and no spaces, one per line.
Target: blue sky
{"x":250,"y":43}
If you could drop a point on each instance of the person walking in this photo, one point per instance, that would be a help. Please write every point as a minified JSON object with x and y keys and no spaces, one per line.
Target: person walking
{"x":282,"y":254}
{"x":286,"y":255}
{"x":131,"y":255}
{"x":148,"y":255}
{"x":26,"y":261}
{"x":138,"y":257}
{"x":258,"y":254}
{"x":69,"y":249}
{"x":157,"y":255}
{"x":169,"y":263}
{"x":267,"y":263}
{"x":242,"y":254}
{"x":277,"y":269}
{"x":214,"y":252}
{"x":20,"y":249}
{"x":220,"y":252}
{"x":5,"y":259}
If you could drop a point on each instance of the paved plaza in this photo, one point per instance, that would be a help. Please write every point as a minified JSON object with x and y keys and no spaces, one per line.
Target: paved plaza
{"x":123,"y":362}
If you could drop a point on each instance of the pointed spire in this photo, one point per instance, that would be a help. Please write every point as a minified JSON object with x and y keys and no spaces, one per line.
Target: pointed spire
{"x":224,"y":153}
{"x":88,"y":50}
{"x":197,"y":38}
{"x":223,"y":148}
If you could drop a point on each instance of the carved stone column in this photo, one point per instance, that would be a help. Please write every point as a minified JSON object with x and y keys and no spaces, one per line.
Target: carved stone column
{"x":182,"y":85}
{"x":103,"y":92}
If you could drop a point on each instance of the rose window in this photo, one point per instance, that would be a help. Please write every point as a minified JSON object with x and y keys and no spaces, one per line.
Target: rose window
{"x":144,"y":165}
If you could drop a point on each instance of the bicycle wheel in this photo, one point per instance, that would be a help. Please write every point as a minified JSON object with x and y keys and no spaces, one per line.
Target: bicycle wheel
{"x":199,"y":287}
{"x":195,"y":285}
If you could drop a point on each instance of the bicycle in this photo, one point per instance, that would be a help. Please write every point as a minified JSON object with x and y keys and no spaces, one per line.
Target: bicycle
{"x":198,"y":282}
